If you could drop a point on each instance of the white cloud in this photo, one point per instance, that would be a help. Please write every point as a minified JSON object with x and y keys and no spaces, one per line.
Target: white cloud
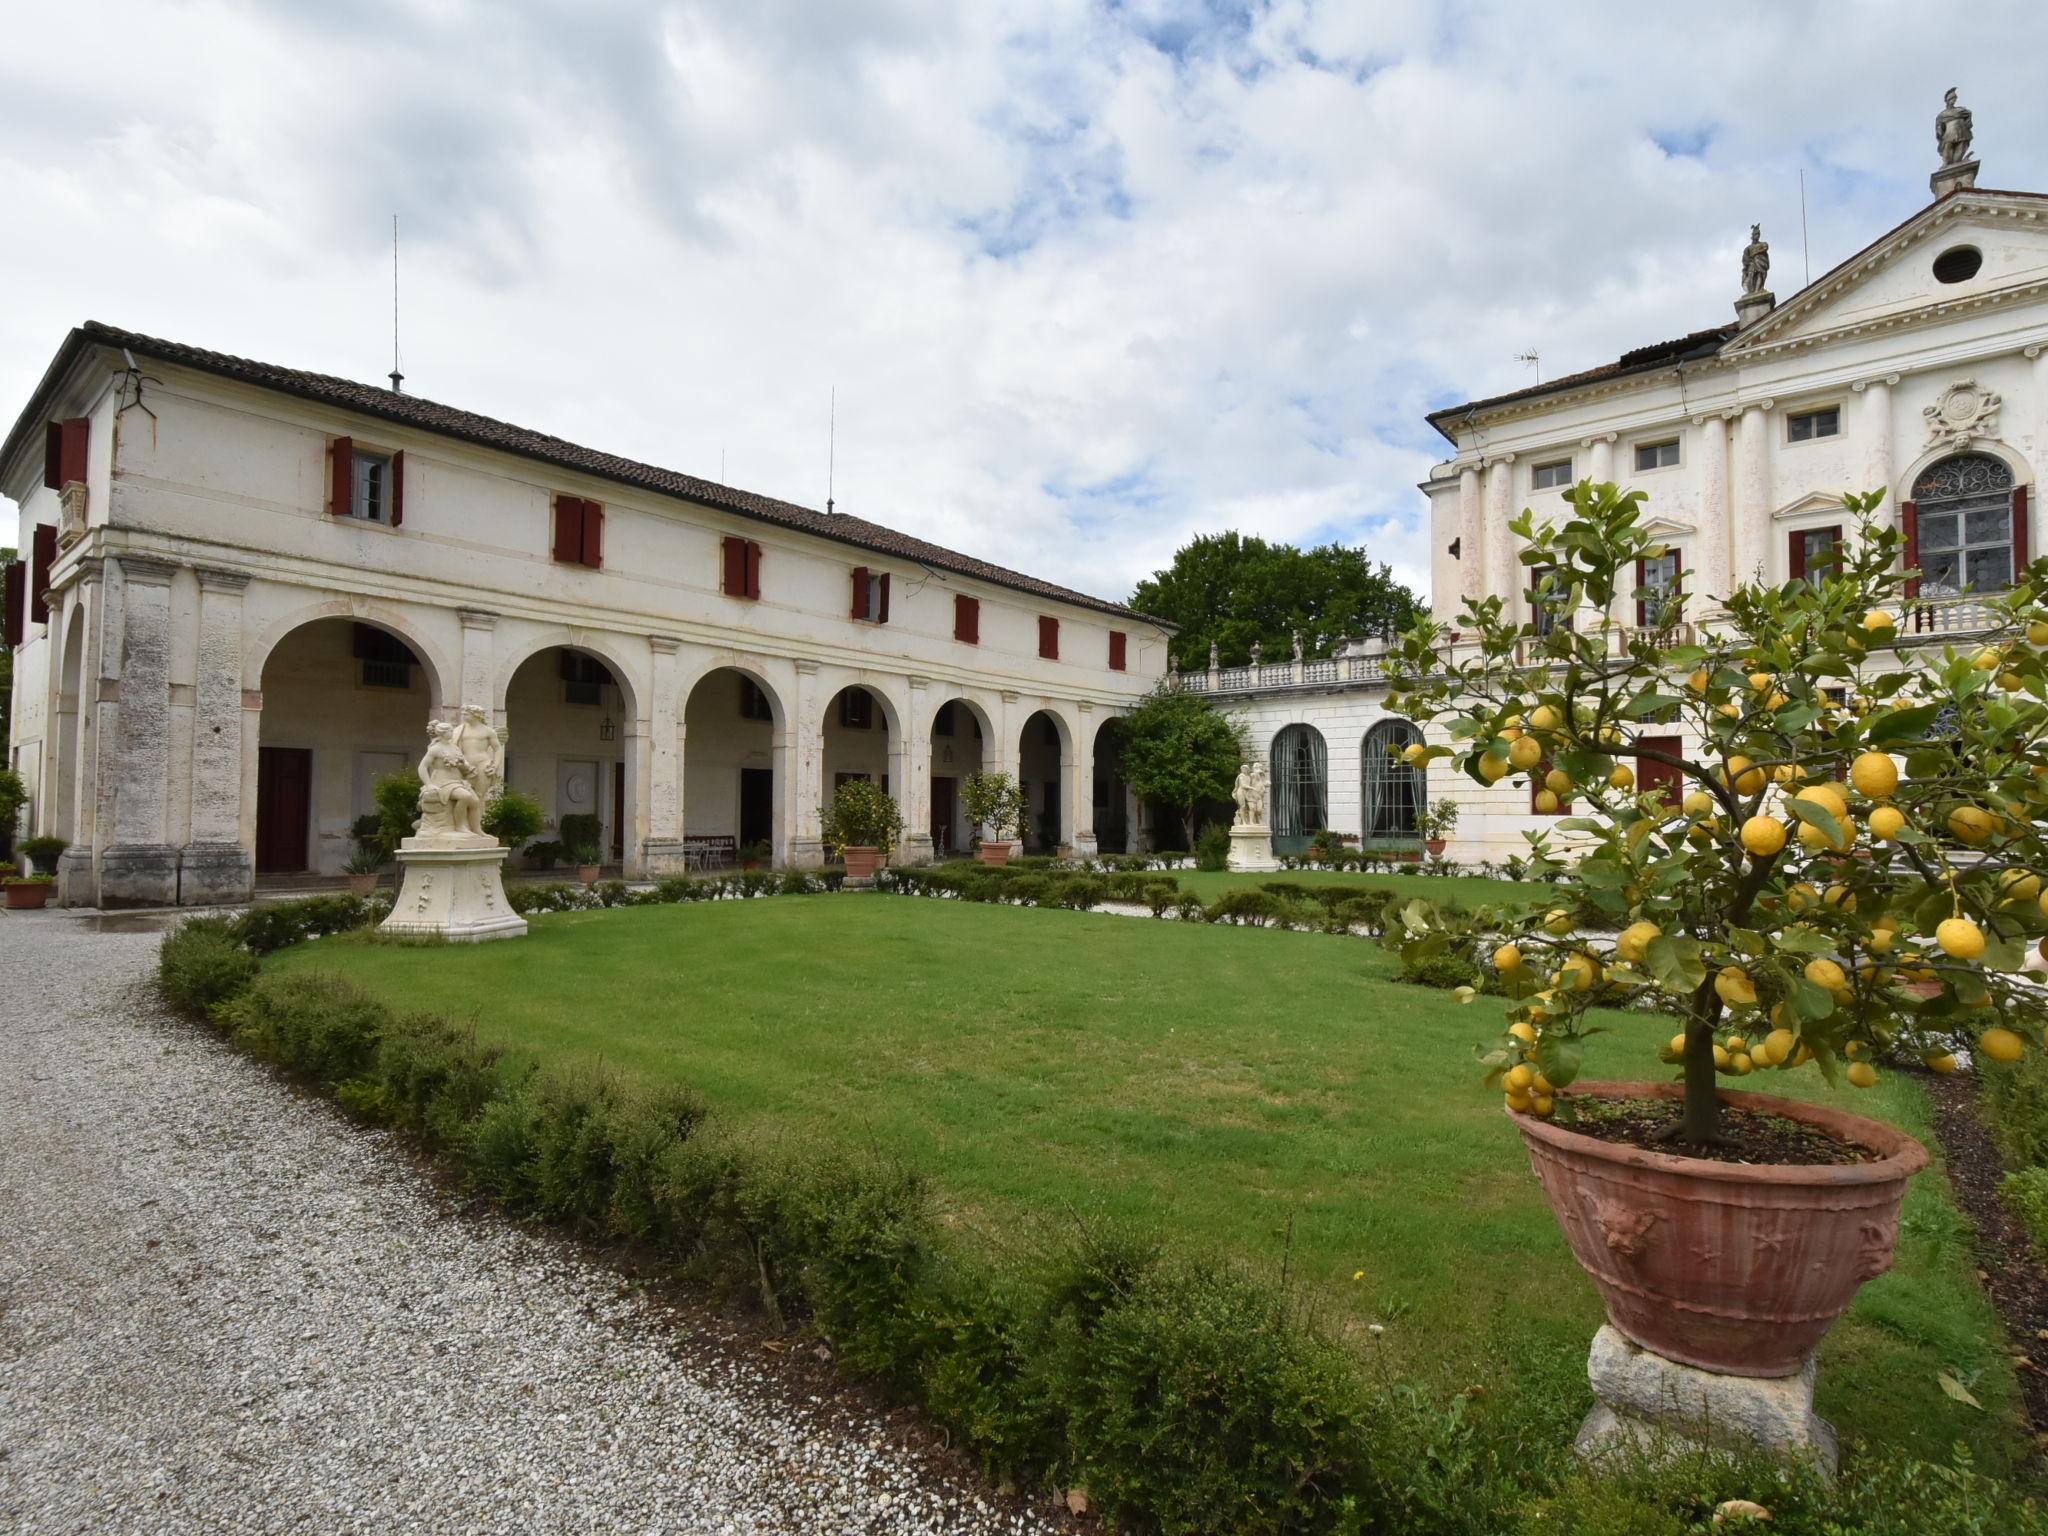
{"x":1088,"y":279}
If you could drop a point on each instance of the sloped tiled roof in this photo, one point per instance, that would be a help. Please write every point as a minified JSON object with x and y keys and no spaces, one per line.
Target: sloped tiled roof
{"x":1641,"y":360}
{"x":486,"y":431}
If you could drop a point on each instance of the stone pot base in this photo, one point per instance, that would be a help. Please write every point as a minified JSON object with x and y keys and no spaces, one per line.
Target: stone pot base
{"x":1649,"y":1406}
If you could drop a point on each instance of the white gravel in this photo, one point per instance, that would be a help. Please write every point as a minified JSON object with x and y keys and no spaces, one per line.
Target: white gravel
{"x":225,"y":1309}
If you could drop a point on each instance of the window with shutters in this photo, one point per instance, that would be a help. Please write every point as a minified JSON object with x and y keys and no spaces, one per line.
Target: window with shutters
{"x":1549,"y":600}
{"x":371,"y":501}
{"x":1813,"y":552}
{"x":1657,"y":578}
{"x":1966,"y":525}
{"x":579,"y":532}
{"x":754,"y":703}
{"x":857,"y":709}
{"x":13,"y":601}
{"x":739,"y":567}
{"x":870,"y":596}
{"x":1117,"y":651}
{"x":64,"y":445}
{"x":42,"y":557}
{"x":1664,"y":780}
{"x":966,"y":619}
{"x":1048,"y":637}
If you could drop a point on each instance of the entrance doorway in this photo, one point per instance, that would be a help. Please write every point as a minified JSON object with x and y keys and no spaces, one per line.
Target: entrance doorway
{"x":284,"y":809}
{"x":945,"y":808}
{"x":619,"y":812}
{"x":757,"y":805}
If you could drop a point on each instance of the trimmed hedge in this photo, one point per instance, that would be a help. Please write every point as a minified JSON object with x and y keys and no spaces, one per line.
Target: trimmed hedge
{"x":1186,"y":1396}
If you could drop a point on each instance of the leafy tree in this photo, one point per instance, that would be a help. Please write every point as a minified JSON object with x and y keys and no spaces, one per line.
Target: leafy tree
{"x":1798,"y":899}
{"x":994,"y":802}
{"x":862,"y":815}
{"x":1179,"y":750}
{"x":1236,"y":590}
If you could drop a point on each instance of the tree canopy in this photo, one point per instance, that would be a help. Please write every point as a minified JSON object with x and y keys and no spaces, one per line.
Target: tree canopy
{"x":1235,"y":590}
{"x":1179,"y":751}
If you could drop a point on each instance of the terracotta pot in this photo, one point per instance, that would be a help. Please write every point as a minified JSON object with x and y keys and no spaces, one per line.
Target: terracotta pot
{"x":1436,"y":846}
{"x":1731,"y":1267}
{"x":588,"y":873}
{"x":28,"y":896}
{"x":362,"y":885}
{"x":861,"y":863}
{"x":994,"y":853}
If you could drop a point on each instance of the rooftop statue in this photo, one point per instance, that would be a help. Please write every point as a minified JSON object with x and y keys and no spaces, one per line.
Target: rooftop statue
{"x":1756,"y":260}
{"x":1952,"y":130}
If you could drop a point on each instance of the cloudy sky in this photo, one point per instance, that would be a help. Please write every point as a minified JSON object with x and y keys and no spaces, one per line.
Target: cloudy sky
{"x":1088,"y":278}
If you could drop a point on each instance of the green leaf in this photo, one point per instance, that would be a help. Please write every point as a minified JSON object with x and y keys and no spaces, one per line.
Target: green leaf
{"x":1747,"y":941}
{"x":1903,"y":724}
{"x":1813,"y":812}
{"x":1809,"y":1000}
{"x":1685,"y":655}
{"x":1794,"y":718}
{"x":1645,"y":704}
{"x":1674,"y":959}
{"x":1559,"y":1060}
{"x":1804,"y":941}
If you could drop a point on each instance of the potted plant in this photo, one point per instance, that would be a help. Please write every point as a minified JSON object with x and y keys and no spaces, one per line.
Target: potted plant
{"x":583,"y":844}
{"x":1787,"y":725}
{"x":362,"y":869}
{"x":755,"y":855}
{"x":863,"y":823}
{"x":588,"y":861}
{"x":42,"y":853}
{"x":995,"y":806}
{"x":28,"y":893}
{"x":543,"y":855}
{"x":1435,"y":824}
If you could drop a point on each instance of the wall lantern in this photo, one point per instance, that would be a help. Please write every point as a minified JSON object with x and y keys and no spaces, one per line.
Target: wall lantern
{"x":606,"y":730}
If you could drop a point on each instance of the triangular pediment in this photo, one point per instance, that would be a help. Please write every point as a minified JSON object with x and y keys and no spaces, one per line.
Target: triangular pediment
{"x":1668,"y":528}
{"x":1893,"y":283}
{"x":1807,"y":506}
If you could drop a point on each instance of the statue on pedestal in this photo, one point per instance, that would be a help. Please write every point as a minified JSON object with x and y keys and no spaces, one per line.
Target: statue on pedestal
{"x":449,"y":806}
{"x":453,"y":884}
{"x":1756,"y":260}
{"x":1250,"y":794}
{"x":1952,"y":130}
{"x":483,"y":753}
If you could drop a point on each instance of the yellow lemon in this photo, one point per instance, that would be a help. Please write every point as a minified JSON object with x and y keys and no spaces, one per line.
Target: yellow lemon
{"x":1677,"y":1045}
{"x":1737,"y":1043}
{"x":1545,"y":718}
{"x":2001,"y":1045}
{"x":1881,"y":940}
{"x":1875,"y":774}
{"x":2011,"y":682}
{"x":1413,"y":752}
{"x":1825,"y":794}
{"x":2019,"y":885}
{"x":1971,"y":823}
{"x":1546,"y":802}
{"x":1580,"y":972}
{"x":1780,"y":1043}
{"x":1841,"y":898}
{"x":1542,"y":1103}
{"x":1698,"y":803}
{"x":1635,"y":939}
{"x":2037,"y":632}
{"x":1741,"y":1063}
{"x":1507,"y":958}
{"x":1987,"y":658}
{"x":1721,"y":1058}
{"x":1862,"y":1074}
{"x":1826,"y":974}
{"x":1960,"y":938}
{"x":1877,"y":619}
{"x":1735,"y":988}
{"x":1557,"y":922}
{"x":1730,"y":711}
{"x":1519,"y":1102}
{"x":1763,"y":835}
{"x":1623,"y":778}
{"x":1887,"y":822}
{"x":1759,"y":681}
{"x":1699,"y":680}
{"x":1802,"y":896}
{"x":1944,"y":1063}
{"x":1525,"y":752}
{"x":1493,"y":769}
{"x":1742,"y":777}
{"x":1526,"y":1033}
{"x":1542,"y":1084}
{"x":1520,"y":1077}
{"x":1558,"y":782}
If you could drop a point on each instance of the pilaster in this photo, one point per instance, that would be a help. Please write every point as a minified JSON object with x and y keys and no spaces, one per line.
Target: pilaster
{"x":140,"y":867}
{"x":1499,"y":543}
{"x":915,"y":794}
{"x":1748,"y":554}
{"x":1471,"y":566}
{"x":662,"y":853}
{"x":216,"y":865}
{"x":1708,"y":583}
{"x":77,"y":780}
{"x":806,"y":777}
{"x":475,"y":687}
{"x":1601,"y":465}
{"x":1077,"y":780}
{"x":1875,"y":429}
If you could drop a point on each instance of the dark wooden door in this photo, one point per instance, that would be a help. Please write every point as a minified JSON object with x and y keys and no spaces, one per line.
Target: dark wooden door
{"x":1661,"y":779}
{"x":757,"y":805}
{"x":284,"y":808}
{"x":618,"y":813}
{"x":944,"y":803}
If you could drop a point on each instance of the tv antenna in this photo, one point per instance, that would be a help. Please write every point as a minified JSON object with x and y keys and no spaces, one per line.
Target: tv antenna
{"x":831,"y":445}
{"x":1534,"y":360}
{"x":397,"y":378}
{"x":1805,"y":251}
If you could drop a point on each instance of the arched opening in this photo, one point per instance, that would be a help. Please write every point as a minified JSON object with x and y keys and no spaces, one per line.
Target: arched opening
{"x":1967,"y":525}
{"x":1393,"y":792}
{"x":570,"y":722}
{"x":1116,"y":808}
{"x":863,"y":740}
{"x":1041,"y":756}
{"x":344,"y":703}
{"x":1300,"y":788}
{"x":960,"y":746}
{"x":734,"y":730}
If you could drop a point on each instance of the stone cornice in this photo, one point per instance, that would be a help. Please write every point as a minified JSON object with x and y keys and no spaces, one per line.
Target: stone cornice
{"x":215,"y":578}
{"x":138,"y":572}
{"x":477,"y":618}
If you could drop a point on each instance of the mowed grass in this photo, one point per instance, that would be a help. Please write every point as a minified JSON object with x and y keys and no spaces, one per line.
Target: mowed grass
{"x":1269,"y":1095}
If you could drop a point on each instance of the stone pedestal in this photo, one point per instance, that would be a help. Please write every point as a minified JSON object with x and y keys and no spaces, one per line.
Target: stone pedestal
{"x":1752,"y":307}
{"x":454,"y":886}
{"x":916,"y":849}
{"x":1251,"y":849}
{"x":1952,"y":178}
{"x":661,"y":857}
{"x":215,"y":874}
{"x":139,"y":875}
{"x":1649,"y":1404}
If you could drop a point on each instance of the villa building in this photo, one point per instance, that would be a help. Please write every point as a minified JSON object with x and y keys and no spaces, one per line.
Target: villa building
{"x":244,"y":590}
{"x":1919,"y":365}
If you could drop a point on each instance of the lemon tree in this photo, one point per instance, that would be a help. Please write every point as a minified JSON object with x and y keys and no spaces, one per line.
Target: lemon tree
{"x":1846,"y":865}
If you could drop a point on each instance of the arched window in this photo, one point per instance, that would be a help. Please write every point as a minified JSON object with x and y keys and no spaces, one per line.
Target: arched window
{"x":1393,"y":789}
{"x":1966,"y":526}
{"x":1301,"y":778}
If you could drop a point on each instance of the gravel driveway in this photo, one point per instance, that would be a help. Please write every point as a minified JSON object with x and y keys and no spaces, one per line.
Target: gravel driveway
{"x":224,"y":1309}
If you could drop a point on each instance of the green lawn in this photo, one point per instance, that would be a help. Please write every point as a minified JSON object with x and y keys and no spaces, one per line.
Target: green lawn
{"x":1227,"y":1087}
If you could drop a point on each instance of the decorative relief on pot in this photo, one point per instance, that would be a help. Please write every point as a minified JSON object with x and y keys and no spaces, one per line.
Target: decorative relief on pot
{"x":1874,"y":1255}
{"x":1627,"y":1231}
{"x":1962,"y":412}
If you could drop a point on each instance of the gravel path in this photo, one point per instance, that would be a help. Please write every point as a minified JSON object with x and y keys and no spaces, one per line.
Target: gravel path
{"x":224,"y":1309}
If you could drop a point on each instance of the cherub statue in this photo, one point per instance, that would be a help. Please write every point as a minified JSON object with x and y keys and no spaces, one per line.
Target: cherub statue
{"x":448,"y":806}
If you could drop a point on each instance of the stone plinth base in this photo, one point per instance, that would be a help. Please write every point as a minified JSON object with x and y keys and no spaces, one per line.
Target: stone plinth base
{"x":1752,"y":307}
{"x":215,"y":874}
{"x":1951,"y":178}
{"x":139,"y":875}
{"x":1251,"y":849}
{"x":1652,"y":1405}
{"x":454,"y":887}
{"x":662,"y":857}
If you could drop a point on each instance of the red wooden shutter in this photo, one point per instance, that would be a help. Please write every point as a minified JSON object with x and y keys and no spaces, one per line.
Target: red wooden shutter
{"x":1116,"y":650}
{"x":45,"y":556}
{"x":1796,"y":558}
{"x":860,"y":592}
{"x":2019,"y":532}
{"x":14,"y":581}
{"x":1661,"y":779}
{"x":76,"y":436}
{"x":344,"y":476}
{"x":53,"y":456}
{"x":753,"y":563}
{"x":732,"y":559}
{"x":1909,"y":524}
{"x":568,"y":530}
{"x":966,"y":619}
{"x":398,"y":488}
{"x":882,"y":613}
{"x":1048,"y":637}
{"x":1642,"y":608}
{"x":592,"y":552}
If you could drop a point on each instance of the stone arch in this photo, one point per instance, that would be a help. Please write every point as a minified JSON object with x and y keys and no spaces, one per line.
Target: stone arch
{"x":778,"y":706}
{"x":970,"y":746}
{"x":440,"y":670}
{"x":1299,"y":799}
{"x":607,"y":648}
{"x":1046,"y":771}
{"x":1989,"y":447}
{"x":1392,"y":793}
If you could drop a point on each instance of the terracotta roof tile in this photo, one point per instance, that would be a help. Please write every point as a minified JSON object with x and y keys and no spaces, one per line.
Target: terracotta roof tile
{"x":1640,"y":360}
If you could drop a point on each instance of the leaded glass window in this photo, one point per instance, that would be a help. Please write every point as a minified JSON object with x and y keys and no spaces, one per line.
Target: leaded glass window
{"x":1393,"y":789}
{"x":1965,"y":523}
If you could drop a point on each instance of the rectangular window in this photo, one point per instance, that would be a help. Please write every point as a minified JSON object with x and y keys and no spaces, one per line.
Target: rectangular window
{"x":942,"y":724}
{"x":64,"y":444}
{"x":1048,"y":637}
{"x":384,"y":660}
{"x":1657,"y":455}
{"x":870,"y":596}
{"x":1658,"y":607}
{"x":1548,"y":477}
{"x":754,"y":701}
{"x":857,"y":710}
{"x":1814,"y":552}
{"x":370,"y":496}
{"x":1805,"y":426}
{"x":1117,"y":652}
{"x":1964,"y":545}
{"x":1548,"y":610}
{"x":966,"y":619}
{"x":579,"y":532}
{"x":13,"y":601}
{"x":583,"y":678}
{"x":741,"y":568}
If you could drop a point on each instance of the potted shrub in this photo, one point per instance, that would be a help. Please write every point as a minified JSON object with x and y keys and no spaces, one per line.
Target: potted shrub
{"x":588,"y":860}
{"x":583,"y":844}
{"x":514,"y":818}
{"x":26,"y":893}
{"x":362,"y":869}
{"x":42,"y":853}
{"x":1435,"y":824}
{"x":995,"y":806}
{"x":755,"y":855}
{"x":863,"y":823}
{"x":544,"y":855}
{"x":1804,"y":733}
